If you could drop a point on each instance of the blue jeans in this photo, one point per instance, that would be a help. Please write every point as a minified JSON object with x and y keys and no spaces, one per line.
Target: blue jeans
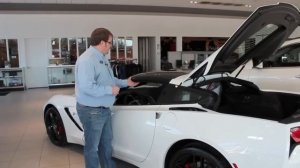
{"x":98,"y":136}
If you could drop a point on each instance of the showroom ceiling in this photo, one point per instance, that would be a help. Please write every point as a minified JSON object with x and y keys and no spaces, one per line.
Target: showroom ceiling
{"x":207,"y":7}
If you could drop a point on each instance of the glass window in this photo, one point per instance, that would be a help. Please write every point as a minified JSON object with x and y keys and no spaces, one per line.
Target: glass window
{"x":3,"y":52}
{"x":81,"y":45}
{"x":13,"y":52}
{"x":187,"y":95}
{"x":287,"y":56}
{"x":202,"y":43}
{"x":113,"y":50}
{"x":128,"y":47}
{"x":9,"y":54}
{"x":64,"y":47}
{"x":255,"y":39}
{"x":73,"y":50}
{"x":121,"y":47}
{"x":251,"y":42}
{"x":55,"y":47}
{"x":88,"y":42}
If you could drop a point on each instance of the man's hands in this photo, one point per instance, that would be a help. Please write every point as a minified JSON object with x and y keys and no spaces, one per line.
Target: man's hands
{"x":115,"y":90}
{"x":131,"y":83}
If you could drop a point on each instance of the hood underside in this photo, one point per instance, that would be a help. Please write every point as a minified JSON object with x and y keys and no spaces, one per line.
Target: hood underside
{"x":258,"y":38}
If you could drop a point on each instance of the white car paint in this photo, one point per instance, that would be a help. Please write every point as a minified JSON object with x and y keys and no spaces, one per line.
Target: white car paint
{"x":249,"y":139}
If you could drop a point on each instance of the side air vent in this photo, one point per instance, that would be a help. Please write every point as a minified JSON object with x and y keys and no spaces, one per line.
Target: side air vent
{"x":72,"y":119}
{"x":187,"y":109}
{"x":220,"y":3}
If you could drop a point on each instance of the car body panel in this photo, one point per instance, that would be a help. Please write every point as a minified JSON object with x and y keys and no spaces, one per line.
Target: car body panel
{"x":237,"y":146}
{"x":129,"y":121}
{"x":277,"y":79}
{"x":60,"y":102}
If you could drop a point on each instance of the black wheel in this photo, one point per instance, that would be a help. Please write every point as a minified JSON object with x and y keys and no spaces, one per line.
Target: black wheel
{"x":55,"y":127}
{"x":192,"y":157}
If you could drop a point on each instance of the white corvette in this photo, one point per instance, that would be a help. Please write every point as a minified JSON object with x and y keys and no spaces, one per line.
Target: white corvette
{"x":208,"y":118}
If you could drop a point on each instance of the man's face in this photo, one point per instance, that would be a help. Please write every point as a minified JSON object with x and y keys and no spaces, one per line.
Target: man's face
{"x":107,"y":45}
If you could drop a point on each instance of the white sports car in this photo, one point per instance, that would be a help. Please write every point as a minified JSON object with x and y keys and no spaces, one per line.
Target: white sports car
{"x":208,"y":118}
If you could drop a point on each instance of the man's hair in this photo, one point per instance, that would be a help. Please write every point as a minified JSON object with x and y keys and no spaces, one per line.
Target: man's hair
{"x":98,"y":35}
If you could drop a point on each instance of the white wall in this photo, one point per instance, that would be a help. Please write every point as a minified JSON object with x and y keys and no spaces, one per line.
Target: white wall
{"x":22,"y":26}
{"x":81,"y":25}
{"x":51,"y":25}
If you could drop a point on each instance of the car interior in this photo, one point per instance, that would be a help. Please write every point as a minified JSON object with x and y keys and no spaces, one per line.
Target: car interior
{"x":139,"y":96}
{"x":225,"y":95}
{"x":244,"y":98}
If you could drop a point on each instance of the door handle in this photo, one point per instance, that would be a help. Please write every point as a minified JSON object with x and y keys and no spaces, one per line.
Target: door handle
{"x":157,"y":115}
{"x":298,"y":76}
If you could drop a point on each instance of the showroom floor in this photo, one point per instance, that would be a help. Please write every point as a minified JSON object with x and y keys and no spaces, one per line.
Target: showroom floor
{"x":23,"y":139}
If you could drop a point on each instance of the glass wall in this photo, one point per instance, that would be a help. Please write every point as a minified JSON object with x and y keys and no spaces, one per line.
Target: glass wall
{"x":121,"y":47}
{"x":113,"y":50}
{"x":73,"y":50}
{"x":129,"y":44}
{"x":202,"y":43}
{"x":81,"y":45}
{"x":3,"y":52}
{"x":67,"y":50}
{"x":13,"y":52}
{"x":9,"y":53}
{"x":55,"y":47}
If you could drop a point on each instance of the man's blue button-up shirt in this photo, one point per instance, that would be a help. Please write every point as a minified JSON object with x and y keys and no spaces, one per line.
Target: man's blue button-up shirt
{"x":94,"y":79}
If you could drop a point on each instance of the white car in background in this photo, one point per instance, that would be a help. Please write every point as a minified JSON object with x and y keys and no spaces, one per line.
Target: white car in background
{"x":280,"y":72}
{"x":208,"y":118}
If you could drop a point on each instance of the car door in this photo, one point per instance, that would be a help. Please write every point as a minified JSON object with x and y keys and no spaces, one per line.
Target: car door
{"x":281,"y":72}
{"x":133,"y":131}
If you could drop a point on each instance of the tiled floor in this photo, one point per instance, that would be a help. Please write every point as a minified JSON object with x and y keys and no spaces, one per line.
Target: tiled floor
{"x":23,"y":139}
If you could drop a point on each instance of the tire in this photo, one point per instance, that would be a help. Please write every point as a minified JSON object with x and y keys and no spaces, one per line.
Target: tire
{"x":192,"y":157}
{"x":55,"y":127}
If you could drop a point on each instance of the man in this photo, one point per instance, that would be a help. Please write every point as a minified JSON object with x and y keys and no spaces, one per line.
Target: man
{"x":95,"y":89}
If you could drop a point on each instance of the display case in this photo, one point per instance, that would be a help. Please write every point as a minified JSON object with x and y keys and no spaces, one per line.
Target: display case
{"x":61,"y":75}
{"x":11,"y":79}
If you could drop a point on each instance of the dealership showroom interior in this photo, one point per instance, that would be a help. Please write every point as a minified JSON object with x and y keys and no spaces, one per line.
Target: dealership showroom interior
{"x":209,"y":83}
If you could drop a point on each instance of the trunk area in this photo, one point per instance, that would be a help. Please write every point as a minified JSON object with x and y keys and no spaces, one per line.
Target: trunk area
{"x":276,"y":106}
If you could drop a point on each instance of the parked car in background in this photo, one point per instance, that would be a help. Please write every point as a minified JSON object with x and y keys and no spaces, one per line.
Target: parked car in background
{"x":208,"y":118}
{"x":278,"y":73}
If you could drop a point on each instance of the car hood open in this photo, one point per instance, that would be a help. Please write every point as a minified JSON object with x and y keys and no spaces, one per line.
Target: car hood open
{"x":265,"y":30}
